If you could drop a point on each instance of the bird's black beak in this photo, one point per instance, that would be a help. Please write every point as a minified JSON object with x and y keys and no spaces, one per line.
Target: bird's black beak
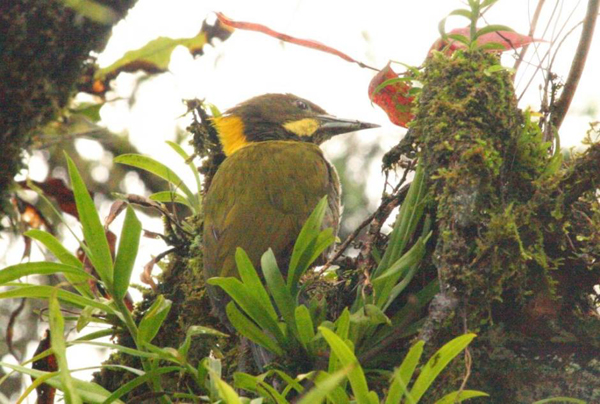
{"x":331,"y":126}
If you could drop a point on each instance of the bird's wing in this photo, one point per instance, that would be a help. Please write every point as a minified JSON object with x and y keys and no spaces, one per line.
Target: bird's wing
{"x":259,"y":199}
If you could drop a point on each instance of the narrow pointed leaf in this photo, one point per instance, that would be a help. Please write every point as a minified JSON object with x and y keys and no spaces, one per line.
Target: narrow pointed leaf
{"x":57,"y":330}
{"x":64,"y":256}
{"x":492,"y":28}
{"x":89,"y":392}
{"x":148,"y":376}
{"x":385,"y":281}
{"x":249,"y":330}
{"x":153,"y":319}
{"x":44,"y":292}
{"x":227,"y":393}
{"x":283,"y":299}
{"x":93,"y":231}
{"x":252,"y":281}
{"x":306,"y":330}
{"x":459,"y":397}
{"x":309,"y":232}
{"x":437,"y":363}
{"x":187,"y":158}
{"x":54,"y":246}
{"x":159,"y":169}
{"x":345,"y":355}
{"x":169,"y":197}
{"x":325,"y":387}
{"x":249,"y":304}
{"x":408,"y":218}
{"x":18,"y":271}
{"x":404,"y":373}
{"x":127,"y":252}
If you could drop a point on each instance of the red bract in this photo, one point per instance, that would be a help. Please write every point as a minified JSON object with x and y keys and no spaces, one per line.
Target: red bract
{"x":507,"y":39}
{"x":393,"y":98}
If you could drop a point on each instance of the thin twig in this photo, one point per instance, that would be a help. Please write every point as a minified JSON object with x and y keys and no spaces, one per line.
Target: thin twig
{"x":564,"y":102}
{"x":354,"y":234}
{"x":383,"y":210}
{"x":532,"y":27}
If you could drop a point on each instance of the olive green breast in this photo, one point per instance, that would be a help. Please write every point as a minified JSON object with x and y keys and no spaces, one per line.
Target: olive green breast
{"x":260,"y":198}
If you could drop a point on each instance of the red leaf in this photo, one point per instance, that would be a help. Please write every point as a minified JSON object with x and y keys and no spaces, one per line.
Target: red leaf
{"x":45,"y":392}
{"x":507,"y":39}
{"x":56,"y":188}
{"x":308,"y":43}
{"x":393,"y":98}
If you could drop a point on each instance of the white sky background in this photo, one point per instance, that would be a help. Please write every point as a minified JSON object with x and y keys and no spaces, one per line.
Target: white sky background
{"x":249,"y":64}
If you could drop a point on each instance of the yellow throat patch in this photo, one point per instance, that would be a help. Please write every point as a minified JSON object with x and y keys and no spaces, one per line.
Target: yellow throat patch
{"x":302,"y":127}
{"x":231,"y":133}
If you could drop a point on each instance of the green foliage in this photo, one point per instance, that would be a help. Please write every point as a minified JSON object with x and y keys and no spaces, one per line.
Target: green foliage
{"x":155,"y":56}
{"x":271,"y":314}
{"x":128,"y":248}
{"x":160,"y":170}
{"x":476,"y":9}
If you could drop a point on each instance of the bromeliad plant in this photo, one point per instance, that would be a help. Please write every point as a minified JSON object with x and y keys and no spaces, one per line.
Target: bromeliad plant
{"x":114,"y":276}
{"x":257,"y":318}
{"x":296,"y":332}
{"x":275,"y":317}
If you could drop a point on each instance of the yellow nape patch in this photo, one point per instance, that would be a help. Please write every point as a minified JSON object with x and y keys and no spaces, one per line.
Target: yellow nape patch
{"x":303,"y":127}
{"x":231,"y":133}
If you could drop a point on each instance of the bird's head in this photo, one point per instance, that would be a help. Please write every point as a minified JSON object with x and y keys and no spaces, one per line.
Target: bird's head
{"x":279,"y":117}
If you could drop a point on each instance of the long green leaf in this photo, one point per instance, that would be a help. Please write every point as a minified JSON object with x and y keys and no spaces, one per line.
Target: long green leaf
{"x":437,"y":363}
{"x":249,"y":330}
{"x":461,"y":12}
{"x":342,"y":330}
{"x":131,"y":385}
{"x":408,"y":218}
{"x":44,"y":292}
{"x":356,"y":375}
{"x":57,"y":329}
{"x":127,"y":252}
{"x":18,"y":271}
{"x":252,"y":281}
{"x":159,"y":169}
{"x":325,"y":387}
{"x":492,"y":28}
{"x":168,"y":197}
{"x":283,"y":299}
{"x":323,"y":241}
{"x":250,"y":305}
{"x":257,"y":385}
{"x":33,"y":386}
{"x":403,"y":375}
{"x":89,"y":392}
{"x":55,"y":247}
{"x":460,"y":396}
{"x":227,"y":393}
{"x":93,"y":231}
{"x":64,"y":256}
{"x":153,"y":319}
{"x":308,"y":234}
{"x":186,"y":157}
{"x":304,"y":323}
{"x":400,"y":286}
{"x":386,"y":281}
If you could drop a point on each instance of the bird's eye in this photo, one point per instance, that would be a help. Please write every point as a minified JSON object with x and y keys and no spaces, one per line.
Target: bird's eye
{"x":302,"y":105}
